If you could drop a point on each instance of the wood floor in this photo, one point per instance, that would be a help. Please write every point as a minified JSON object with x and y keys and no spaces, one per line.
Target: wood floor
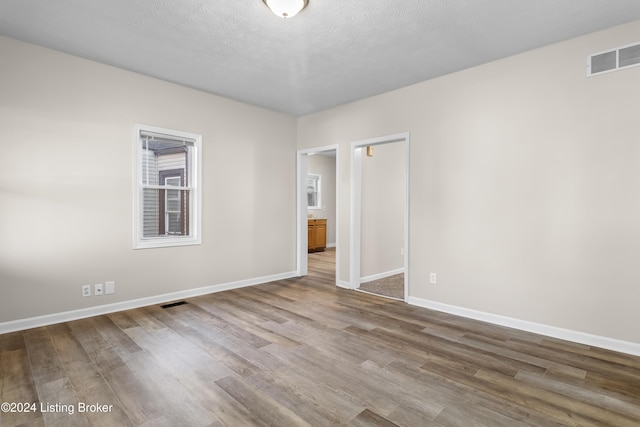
{"x":302,"y":352}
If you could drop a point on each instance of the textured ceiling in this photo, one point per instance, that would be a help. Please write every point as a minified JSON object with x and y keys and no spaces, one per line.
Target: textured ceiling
{"x":333,"y":52}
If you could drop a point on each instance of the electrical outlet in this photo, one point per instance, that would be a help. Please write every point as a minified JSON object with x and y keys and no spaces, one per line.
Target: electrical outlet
{"x":109,"y":287}
{"x":401,"y":251}
{"x":86,"y":290}
{"x":98,"y":288}
{"x":433,"y":279}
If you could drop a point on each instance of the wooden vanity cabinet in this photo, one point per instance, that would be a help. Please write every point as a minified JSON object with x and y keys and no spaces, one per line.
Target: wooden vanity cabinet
{"x":317,"y":235}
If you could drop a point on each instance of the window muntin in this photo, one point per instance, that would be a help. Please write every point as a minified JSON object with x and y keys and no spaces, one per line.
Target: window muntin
{"x":174,"y":207}
{"x":168,"y":187}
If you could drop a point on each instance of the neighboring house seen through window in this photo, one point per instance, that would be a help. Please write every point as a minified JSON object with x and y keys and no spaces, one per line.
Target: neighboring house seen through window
{"x":167,"y":187}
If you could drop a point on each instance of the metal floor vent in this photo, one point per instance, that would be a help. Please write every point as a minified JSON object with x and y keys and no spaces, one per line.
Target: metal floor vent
{"x":173,"y":304}
{"x":613,"y":60}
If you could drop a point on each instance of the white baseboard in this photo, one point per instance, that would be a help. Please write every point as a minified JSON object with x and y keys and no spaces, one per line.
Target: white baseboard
{"x":537,"y":328}
{"x":50,"y":319}
{"x":343,"y":284}
{"x":381,"y":275}
{"x":331,"y":245}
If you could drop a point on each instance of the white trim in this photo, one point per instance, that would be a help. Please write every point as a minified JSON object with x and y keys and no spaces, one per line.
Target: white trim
{"x":301,"y":209}
{"x":356,"y":205}
{"x":407,"y":212}
{"x":378,"y":295}
{"x":382,"y":275}
{"x":50,"y":319}
{"x":331,"y":245}
{"x":166,"y":187}
{"x":343,"y":284}
{"x":167,"y":242}
{"x":536,"y":328}
{"x":302,"y":221}
{"x":195,"y":185}
{"x":355,"y":216}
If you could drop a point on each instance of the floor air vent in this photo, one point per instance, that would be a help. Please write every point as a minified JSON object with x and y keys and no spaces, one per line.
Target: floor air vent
{"x":614,"y":60}
{"x":173,"y":304}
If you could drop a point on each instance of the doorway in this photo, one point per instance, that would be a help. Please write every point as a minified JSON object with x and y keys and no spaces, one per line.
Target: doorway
{"x":318,"y":198}
{"x":392,"y":252}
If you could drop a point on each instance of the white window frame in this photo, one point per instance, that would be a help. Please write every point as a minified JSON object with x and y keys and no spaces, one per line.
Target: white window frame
{"x":318,"y":179}
{"x":195,"y":187}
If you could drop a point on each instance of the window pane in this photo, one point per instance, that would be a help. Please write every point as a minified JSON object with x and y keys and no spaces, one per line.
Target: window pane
{"x":161,"y":154}
{"x":173,"y":181}
{"x":173,"y":201}
{"x":165,"y":213}
{"x":311,"y":184}
{"x":168,"y":198}
{"x":149,"y":167}
{"x":174,"y":224}
{"x":313,"y":191}
{"x":150,"y":213}
{"x":176,"y":213}
{"x":311,"y":199}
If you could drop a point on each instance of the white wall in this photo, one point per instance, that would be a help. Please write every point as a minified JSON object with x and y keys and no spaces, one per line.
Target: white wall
{"x":525,"y":185}
{"x":383,"y":206}
{"x":325,"y":166}
{"x":66,"y":184}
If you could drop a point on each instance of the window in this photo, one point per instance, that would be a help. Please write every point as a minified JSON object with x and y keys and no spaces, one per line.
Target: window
{"x":313,"y":191}
{"x":167,"y":188}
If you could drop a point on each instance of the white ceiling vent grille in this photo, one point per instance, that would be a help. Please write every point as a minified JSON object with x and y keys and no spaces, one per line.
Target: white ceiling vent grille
{"x":614,"y":60}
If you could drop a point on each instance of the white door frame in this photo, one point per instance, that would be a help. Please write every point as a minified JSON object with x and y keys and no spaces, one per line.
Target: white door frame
{"x":356,"y":206}
{"x":301,"y":208}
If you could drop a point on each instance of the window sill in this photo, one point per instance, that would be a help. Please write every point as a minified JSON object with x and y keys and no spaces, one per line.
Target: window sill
{"x":166,"y":242}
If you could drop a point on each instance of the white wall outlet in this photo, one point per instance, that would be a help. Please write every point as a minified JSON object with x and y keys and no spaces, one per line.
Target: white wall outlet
{"x":98,"y":288}
{"x":401,"y":251}
{"x":109,"y":287}
{"x":433,"y":279}
{"x":86,"y":290}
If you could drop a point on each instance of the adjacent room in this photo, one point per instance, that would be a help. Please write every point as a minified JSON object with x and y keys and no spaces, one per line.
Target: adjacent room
{"x":319,"y":213}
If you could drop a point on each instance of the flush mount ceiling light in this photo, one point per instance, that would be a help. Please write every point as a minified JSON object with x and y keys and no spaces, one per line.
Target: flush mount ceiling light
{"x":286,"y":8}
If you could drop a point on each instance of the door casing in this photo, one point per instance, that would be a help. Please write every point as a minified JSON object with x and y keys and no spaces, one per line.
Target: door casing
{"x":355,"y":223}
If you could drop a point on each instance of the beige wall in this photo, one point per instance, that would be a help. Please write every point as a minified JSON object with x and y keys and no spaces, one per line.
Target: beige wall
{"x":383,"y":210}
{"x":325,"y":166}
{"x":66,"y":184}
{"x":525,"y":185}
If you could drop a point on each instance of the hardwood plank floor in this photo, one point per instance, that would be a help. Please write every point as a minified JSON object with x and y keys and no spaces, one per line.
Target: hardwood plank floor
{"x":301,"y":352}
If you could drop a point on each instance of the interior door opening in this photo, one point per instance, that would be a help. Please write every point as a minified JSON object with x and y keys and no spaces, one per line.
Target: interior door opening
{"x":318,"y":219}
{"x":379,"y":225}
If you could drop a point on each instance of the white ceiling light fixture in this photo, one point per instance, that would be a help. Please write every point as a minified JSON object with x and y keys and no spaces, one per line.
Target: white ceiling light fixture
{"x":286,"y":8}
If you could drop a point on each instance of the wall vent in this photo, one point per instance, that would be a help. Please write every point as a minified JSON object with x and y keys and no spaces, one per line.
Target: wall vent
{"x":613,"y":60}
{"x":173,"y":304}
